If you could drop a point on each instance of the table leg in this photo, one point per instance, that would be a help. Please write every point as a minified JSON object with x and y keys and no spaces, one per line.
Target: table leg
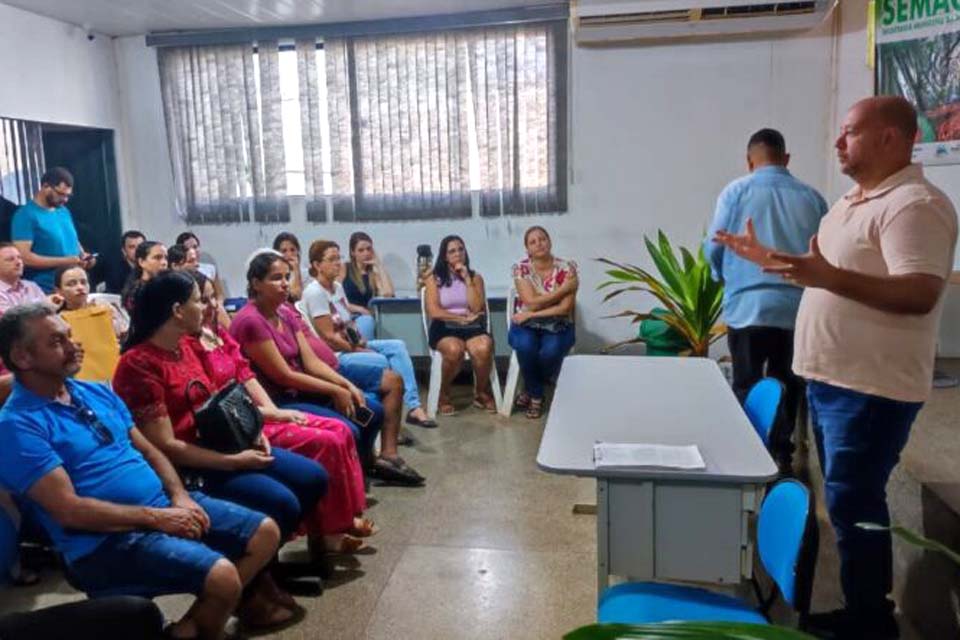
{"x":603,"y":548}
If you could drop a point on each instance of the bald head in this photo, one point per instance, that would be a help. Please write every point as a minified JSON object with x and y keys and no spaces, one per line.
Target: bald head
{"x":892,"y":111}
{"x":876,"y":139}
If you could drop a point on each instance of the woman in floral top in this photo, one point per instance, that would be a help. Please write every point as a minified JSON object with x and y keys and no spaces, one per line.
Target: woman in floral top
{"x":542,"y":330}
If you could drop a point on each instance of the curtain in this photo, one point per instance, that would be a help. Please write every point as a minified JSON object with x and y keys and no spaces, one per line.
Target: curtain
{"x":408,"y":136}
{"x":21,"y":159}
{"x":311,"y":130}
{"x":225,"y":132}
{"x":518,"y":75}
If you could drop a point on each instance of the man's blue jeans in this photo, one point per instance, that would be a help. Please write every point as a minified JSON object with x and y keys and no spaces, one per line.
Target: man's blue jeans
{"x":859,"y":439}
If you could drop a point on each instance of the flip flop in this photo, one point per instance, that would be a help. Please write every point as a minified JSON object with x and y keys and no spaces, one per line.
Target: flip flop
{"x":418,"y":422}
{"x":396,"y":471}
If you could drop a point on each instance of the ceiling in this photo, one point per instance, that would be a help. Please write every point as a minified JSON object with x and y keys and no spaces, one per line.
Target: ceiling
{"x":133,"y":17}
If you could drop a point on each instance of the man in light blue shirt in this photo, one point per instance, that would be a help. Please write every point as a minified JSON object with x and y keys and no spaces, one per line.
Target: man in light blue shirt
{"x":43,"y":231}
{"x":760,"y":309}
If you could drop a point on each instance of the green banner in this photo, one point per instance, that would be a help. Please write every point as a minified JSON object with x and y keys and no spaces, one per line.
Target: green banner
{"x":918,"y":57}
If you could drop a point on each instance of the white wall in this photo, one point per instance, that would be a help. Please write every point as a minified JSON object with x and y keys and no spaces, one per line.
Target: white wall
{"x":656,"y":133}
{"x":52,"y":73}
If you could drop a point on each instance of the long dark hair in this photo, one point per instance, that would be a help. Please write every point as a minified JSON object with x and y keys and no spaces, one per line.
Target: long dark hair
{"x":441,"y":270}
{"x":154,"y":304}
{"x":286,"y":236}
{"x":259,"y":268}
{"x":143,"y":250}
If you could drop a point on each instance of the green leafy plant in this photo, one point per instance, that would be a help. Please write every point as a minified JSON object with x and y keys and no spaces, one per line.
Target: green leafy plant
{"x":914,"y":538}
{"x":692,"y":298}
{"x":687,"y":631}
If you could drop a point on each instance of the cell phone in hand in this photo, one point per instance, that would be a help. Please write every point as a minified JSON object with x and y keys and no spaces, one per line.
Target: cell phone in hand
{"x":363,"y":415}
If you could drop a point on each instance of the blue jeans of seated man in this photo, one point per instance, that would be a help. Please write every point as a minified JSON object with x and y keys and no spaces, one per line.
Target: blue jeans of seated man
{"x":540,"y":354}
{"x":386,"y":354}
{"x":286,"y":490}
{"x":9,"y":546}
{"x":859,"y":438}
{"x":364,"y":437}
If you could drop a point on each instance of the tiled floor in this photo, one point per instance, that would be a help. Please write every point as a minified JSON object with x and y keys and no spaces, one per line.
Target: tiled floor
{"x":489,"y":548}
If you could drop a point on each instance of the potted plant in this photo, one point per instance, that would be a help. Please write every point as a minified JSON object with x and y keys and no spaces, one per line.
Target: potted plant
{"x":691,"y":298}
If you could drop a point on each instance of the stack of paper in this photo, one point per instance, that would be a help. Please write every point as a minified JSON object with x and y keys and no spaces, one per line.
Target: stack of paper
{"x":615,"y":454}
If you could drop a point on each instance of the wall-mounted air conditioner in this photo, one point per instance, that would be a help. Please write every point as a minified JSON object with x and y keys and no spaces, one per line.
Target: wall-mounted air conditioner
{"x":598,"y":21}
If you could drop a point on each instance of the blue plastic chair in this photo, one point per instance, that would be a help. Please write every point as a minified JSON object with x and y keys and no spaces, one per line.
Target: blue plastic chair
{"x":763,"y":406}
{"x":787,"y":542}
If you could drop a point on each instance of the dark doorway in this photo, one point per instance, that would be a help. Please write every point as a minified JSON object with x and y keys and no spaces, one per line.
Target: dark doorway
{"x":89,"y":155}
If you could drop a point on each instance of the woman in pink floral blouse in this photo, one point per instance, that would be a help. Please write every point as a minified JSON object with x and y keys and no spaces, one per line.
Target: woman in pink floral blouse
{"x":542,"y":330}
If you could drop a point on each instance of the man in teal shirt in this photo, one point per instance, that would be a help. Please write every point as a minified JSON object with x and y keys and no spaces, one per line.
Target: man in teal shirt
{"x":760,"y":309}
{"x":44,"y":233}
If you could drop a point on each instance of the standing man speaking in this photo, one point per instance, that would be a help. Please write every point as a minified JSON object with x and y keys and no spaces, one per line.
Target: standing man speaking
{"x":43,"y":230}
{"x":760,"y":309}
{"x":873,"y":280}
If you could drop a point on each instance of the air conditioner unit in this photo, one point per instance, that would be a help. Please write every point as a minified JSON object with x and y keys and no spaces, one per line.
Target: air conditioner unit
{"x":600,"y":21}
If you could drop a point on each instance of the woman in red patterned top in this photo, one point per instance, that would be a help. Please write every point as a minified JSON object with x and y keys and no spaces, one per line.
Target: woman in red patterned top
{"x":541,"y":329}
{"x":162,"y":359}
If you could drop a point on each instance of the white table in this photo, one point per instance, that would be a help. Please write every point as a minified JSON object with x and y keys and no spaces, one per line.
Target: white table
{"x":660,"y":524}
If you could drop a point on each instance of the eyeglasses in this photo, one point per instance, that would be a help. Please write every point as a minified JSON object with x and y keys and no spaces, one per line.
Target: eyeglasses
{"x":66,"y":194}
{"x":89,"y":418}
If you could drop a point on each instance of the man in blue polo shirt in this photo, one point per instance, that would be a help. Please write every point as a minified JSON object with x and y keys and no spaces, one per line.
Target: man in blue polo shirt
{"x":44,"y":233}
{"x":760,"y":309}
{"x":110,"y":501}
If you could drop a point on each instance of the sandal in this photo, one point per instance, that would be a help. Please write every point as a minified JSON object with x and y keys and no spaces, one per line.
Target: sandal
{"x":363,"y":528}
{"x":260,"y":615}
{"x":446,"y":409}
{"x":522,"y":401}
{"x":535,"y":410}
{"x":487,"y":404}
{"x":346,"y":545}
{"x":396,"y":471}
{"x":426,"y":423}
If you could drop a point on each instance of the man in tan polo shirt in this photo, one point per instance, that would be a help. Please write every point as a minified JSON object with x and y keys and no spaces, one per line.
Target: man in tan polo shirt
{"x":865,"y":340}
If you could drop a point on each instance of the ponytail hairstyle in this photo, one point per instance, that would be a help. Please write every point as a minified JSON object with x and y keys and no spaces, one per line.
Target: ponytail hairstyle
{"x":143,"y":250}
{"x":354,"y":272}
{"x":154,"y":302}
{"x":259,"y":266}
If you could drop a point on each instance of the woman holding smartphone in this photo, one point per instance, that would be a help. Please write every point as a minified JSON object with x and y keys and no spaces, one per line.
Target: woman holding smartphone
{"x":456,"y":302}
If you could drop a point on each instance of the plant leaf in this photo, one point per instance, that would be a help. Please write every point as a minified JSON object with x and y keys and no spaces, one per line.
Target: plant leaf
{"x":687,"y":631}
{"x":914,"y":538}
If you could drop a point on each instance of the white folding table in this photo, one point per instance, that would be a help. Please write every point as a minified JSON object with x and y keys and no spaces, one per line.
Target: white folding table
{"x":661,"y":524}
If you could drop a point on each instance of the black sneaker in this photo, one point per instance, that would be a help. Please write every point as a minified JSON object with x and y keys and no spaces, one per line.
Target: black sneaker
{"x":842,"y":624}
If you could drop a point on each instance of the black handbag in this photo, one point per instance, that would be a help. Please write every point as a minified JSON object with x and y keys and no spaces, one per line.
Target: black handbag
{"x":229,"y":421}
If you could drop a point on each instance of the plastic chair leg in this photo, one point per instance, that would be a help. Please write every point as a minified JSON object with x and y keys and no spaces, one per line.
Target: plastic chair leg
{"x":436,"y":377}
{"x":510,"y":389}
{"x":495,"y":385}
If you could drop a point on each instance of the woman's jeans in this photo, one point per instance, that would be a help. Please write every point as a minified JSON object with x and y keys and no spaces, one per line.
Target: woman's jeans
{"x":540,"y":354}
{"x":387,"y":354}
{"x":366,"y":325}
{"x":859,"y":439}
{"x":286,"y":490}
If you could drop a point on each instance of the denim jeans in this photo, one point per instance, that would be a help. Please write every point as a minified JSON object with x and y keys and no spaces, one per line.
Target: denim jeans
{"x":286,"y":490}
{"x":388,"y":354}
{"x":859,"y":439}
{"x":540,"y":354}
{"x":367,"y":326}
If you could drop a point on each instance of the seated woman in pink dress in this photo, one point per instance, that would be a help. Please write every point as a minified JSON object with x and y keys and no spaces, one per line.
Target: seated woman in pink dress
{"x":157,"y":384}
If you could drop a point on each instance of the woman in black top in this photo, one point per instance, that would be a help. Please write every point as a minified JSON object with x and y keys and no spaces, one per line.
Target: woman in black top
{"x":364,"y":278}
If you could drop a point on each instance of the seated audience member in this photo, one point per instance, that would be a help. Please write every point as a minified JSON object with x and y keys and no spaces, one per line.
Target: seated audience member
{"x":364,"y":278}
{"x":163,"y":381}
{"x":190,"y":240}
{"x":542,"y":330}
{"x":99,"y":328}
{"x":273,"y":336}
{"x":287,"y":245}
{"x":326,"y":306}
{"x":110,"y":501}
{"x":327,"y":440}
{"x":456,"y":303}
{"x":151,"y":257}
{"x":115,"y":272}
{"x":177,"y":257}
{"x":14,"y":289}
